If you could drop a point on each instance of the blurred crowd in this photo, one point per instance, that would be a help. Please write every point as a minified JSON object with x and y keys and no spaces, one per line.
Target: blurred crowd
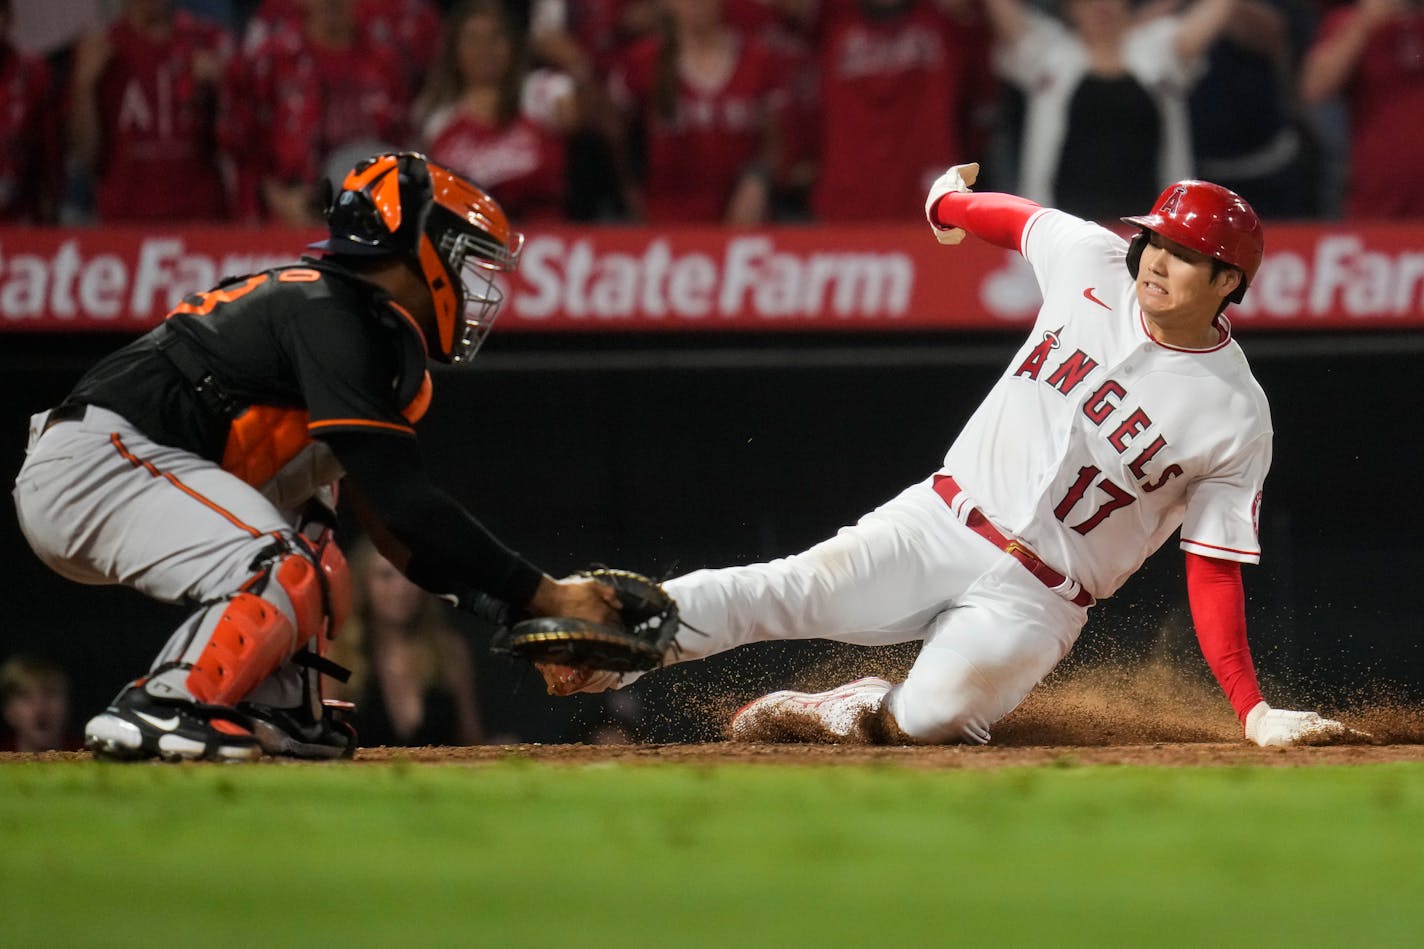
{"x":708,"y":111}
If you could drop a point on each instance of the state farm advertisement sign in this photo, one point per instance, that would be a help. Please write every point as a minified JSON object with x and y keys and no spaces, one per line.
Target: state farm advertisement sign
{"x":618,"y":279}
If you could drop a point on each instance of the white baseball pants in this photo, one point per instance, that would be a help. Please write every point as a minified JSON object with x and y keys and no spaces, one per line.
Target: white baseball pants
{"x":907,"y":571}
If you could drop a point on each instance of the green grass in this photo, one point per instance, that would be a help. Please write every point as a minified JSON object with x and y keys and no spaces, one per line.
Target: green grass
{"x":523,"y":854}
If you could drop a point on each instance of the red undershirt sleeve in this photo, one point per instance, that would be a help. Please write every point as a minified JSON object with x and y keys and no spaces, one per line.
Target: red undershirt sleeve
{"x":1218,"y":603}
{"x":992,"y":216}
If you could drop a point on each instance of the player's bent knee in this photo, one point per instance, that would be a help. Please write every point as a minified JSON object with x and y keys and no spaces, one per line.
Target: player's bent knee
{"x":943,"y":725}
{"x":301,"y":582}
{"x":943,"y":705}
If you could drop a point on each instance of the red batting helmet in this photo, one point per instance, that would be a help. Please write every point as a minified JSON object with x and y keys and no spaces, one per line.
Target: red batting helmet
{"x":1209,"y":219}
{"x":401,"y":204}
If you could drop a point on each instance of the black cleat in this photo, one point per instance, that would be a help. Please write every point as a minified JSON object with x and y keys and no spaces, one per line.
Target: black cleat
{"x":136,"y":726}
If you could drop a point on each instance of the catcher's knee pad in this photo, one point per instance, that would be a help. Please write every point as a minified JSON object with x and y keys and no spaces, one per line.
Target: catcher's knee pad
{"x":337,"y":576}
{"x":246,"y":638}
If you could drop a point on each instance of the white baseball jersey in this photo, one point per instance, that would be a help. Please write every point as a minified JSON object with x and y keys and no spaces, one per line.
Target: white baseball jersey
{"x":1098,"y":441}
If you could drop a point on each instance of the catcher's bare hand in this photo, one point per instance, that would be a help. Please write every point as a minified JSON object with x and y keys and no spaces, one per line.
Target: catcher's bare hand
{"x":579,"y":597}
{"x":566,"y":680}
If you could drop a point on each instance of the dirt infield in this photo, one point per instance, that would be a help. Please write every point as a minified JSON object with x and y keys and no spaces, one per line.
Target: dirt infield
{"x":1143,"y":715}
{"x":952,"y":757}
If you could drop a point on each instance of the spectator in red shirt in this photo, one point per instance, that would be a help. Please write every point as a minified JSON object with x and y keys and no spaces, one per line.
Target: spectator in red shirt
{"x":30,"y":165}
{"x":1371,"y":54}
{"x":272,"y":17}
{"x":413,"y":28}
{"x":301,"y":105}
{"x":144,"y":103}
{"x":706,"y":101}
{"x":899,"y":82}
{"x":786,"y":27}
{"x":584,"y":39}
{"x":486,"y":116}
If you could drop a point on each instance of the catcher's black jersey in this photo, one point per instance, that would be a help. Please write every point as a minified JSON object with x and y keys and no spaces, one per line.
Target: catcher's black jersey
{"x":310,"y":336}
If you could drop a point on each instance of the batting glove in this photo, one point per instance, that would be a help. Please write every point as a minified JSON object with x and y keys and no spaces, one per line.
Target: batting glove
{"x":1279,"y":728}
{"x":959,"y":178}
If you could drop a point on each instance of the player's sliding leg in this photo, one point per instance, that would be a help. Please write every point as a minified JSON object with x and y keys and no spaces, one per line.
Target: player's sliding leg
{"x":847,"y":714}
{"x":980,"y":658}
{"x":878,"y":582}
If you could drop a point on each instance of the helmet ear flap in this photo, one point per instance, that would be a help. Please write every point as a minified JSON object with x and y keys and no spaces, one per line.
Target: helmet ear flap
{"x":1134,"y":253}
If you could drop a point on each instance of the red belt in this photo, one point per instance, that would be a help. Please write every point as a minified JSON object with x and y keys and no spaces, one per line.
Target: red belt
{"x":947,"y":488}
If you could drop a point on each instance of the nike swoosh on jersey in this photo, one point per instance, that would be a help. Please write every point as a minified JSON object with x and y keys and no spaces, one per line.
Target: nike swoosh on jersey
{"x":1088,"y":294}
{"x":162,"y":724}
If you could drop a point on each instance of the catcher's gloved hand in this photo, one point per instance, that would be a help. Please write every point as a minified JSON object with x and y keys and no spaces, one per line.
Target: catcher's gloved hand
{"x":1279,"y":727}
{"x":648,"y":622}
{"x":958,"y":178}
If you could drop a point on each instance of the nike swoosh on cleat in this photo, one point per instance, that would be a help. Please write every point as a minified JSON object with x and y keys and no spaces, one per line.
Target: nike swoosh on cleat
{"x":162,"y":724}
{"x":1088,"y":294}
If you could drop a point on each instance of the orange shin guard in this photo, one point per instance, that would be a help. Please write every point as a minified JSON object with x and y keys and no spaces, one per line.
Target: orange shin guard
{"x":254,"y":634}
{"x":298,"y":577}
{"x":252,"y":637}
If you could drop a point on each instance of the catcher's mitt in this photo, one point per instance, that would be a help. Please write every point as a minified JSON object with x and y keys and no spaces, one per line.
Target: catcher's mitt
{"x":649,"y":624}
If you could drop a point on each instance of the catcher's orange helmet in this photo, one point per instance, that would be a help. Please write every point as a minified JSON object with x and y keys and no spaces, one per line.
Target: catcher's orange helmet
{"x":1206,"y":218}
{"x":402,"y":204}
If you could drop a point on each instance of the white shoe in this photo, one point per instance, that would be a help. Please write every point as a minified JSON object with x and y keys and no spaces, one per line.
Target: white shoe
{"x":842,"y":715}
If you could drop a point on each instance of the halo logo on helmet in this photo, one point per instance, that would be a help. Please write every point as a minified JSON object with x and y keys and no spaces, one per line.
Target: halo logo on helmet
{"x":1206,"y":218}
{"x":402,"y":204}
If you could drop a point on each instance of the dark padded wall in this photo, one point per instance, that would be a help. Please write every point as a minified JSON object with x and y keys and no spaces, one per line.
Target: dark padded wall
{"x":670,"y":454}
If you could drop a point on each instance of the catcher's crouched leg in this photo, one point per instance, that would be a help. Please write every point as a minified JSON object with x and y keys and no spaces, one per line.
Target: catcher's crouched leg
{"x":238,"y":650}
{"x":578,"y":655}
{"x":289,"y":713}
{"x":184,"y":708}
{"x":235,"y":643}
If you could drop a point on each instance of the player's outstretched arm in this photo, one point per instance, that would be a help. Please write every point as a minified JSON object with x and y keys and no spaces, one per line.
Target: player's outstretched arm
{"x":957,"y":180}
{"x":440,"y":545}
{"x":953,"y":210}
{"x":1218,"y":602}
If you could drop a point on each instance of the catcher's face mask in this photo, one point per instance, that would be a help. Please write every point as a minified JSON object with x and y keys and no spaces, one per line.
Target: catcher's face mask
{"x":457,"y":235}
{"x":467,"y":242}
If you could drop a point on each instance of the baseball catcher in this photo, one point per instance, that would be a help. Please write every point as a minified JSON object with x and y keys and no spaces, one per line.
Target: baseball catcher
{"x":193,"y":465}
